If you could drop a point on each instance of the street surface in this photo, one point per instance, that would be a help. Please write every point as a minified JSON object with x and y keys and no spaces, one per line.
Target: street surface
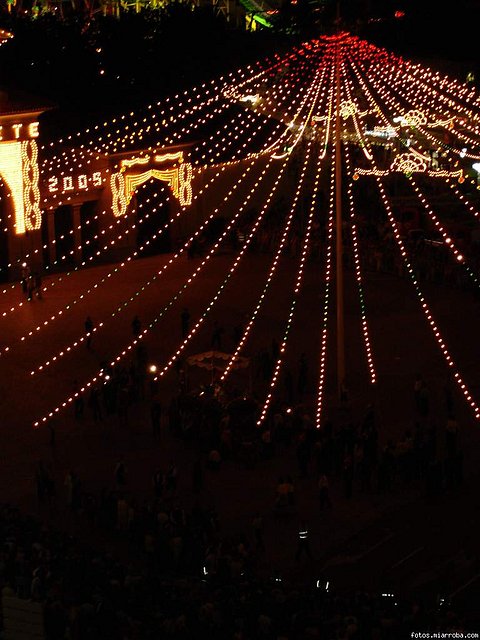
{"x":399,"y":541}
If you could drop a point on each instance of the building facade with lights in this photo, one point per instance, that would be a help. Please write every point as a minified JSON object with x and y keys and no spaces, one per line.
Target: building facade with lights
{"x":71,"y":208}
{"x":20,"y":198}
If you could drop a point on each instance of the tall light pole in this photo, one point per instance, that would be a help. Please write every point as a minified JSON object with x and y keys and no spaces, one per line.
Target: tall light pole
{"x":338,"y":224}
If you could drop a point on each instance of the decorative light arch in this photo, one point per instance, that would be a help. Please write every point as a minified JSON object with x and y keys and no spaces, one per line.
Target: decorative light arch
{"x":124,"y":184}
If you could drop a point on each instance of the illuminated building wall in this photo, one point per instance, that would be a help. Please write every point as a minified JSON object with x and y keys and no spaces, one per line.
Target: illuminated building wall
{"x":19,"y":172}
{"x":115,"y":184}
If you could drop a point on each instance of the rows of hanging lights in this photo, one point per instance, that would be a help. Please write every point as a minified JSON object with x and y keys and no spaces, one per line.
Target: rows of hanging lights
{"x":300,"y":89}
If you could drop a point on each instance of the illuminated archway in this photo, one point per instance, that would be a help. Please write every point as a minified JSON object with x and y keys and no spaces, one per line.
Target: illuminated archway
{"x":152,"y":223}
{"x":167,"y":167}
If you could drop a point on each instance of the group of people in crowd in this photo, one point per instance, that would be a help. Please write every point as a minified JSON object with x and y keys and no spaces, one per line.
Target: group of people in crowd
{"x":31,"y":282}
{"x":184,"y":576}
{"x":428,"y":252}
{"x":183,"y":573}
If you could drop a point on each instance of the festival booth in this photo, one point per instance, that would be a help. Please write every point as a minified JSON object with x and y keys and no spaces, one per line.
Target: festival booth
{"x":215,"y":362}
{"x":240,"y":408}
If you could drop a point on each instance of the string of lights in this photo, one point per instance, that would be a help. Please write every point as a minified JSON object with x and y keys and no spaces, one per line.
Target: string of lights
{"x":449,"y":243}
{"x":295,"y":297}
{"x":389,"y":82}
{"x":143,"y":288}
{"x":298,"y":93}
{"x":230,"y":140}
{"x":95,"y":379}
{"x":425,"y":308}
{"x":273,"y":268}
{"x":128,"y":349}
{"x":358,"y":270}
{"x":347,"y":86}
{"x":230,"y":273}
{"x":326,"y":298}
{"x":176,"y":108}
{"x":79,"y":341}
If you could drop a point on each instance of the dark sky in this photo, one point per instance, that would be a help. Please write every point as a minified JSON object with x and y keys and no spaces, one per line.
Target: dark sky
{"x":430,"y":28}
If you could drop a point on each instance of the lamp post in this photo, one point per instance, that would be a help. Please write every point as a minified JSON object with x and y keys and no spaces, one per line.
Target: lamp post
{"x":338,"y":225}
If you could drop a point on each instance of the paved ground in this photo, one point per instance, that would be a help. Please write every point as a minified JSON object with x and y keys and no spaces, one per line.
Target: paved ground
{"x":401,"y":540}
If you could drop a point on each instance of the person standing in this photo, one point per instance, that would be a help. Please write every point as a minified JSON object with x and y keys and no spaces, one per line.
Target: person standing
{"x":237,"y":333}
{"x":51,"y":439}
{"x":423,"y":403}
{"x":303,"y":546}
{"x":348,"y":475}
{"x":78,"y":401}
{"x":95,"y":405}
{"x":41,"y":481}
{"x":185,"y":322}
{"x":25,"y":275}
{"x":275,"y":350}
{"x":324,"y":492}
{"x":451,"y":437}
{"x":158,"y":482}
{"x":302,"y":376}
{"x":156,"y":417}
{"x":37,"y":284}
{"x":30,"y":287}
{"x":449,"y":395}
{"x":171,"y":479}
{"x":217,"y":336}
{"x":136,"y":326}
{"x":257,"y":524}
{"x":120,"y":474}
{"x":289,"y":386}
{"x":197,"y":476}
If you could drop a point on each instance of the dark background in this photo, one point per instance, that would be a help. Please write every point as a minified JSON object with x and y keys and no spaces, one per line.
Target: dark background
{"x":93,"y":67}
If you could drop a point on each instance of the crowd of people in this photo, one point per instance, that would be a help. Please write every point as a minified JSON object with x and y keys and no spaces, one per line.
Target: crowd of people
{"x":183,"y":574}
{"x":194,"y":583}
